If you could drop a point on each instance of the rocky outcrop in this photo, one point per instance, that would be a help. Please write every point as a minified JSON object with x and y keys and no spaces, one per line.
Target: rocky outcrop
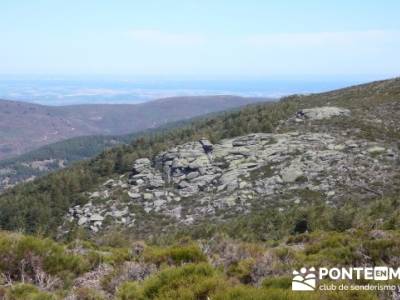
{"x":319,"y":113}
{"x":200,"y":180}
{"x":93,"y":216}
{"x":189,"y":167}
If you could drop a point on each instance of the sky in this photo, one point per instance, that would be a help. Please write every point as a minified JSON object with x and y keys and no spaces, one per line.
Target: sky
{"x":201,"y":39}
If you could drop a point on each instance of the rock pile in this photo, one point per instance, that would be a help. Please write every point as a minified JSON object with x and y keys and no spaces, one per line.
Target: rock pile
{"x":93,"y":216}
{"x":198,"y":180}
{"x":325,"y":112}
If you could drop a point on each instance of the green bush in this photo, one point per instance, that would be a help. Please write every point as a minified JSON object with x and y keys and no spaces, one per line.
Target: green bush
{"x":329,"y":249}
{"x":383,"y":250}
{"x":248,"y":293}
{"x":27,"y":292}
{"x":277,"y":282}
{"x":242,"y":270}
{"x":28,"y":254}
{"x":88,"y":294}
{"x":117,"y":256}
{"x":130,"y":291}
{"x":191,"y":281}
{"x":174,"y":255}
{"x":251,"y":293}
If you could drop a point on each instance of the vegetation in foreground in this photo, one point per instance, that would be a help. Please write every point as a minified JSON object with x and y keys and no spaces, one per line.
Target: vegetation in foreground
{"x":218,"y":268}
{"x":241,"y":260}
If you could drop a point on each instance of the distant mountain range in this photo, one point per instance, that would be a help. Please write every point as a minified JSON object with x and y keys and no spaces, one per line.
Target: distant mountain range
{"x":26,"y":126}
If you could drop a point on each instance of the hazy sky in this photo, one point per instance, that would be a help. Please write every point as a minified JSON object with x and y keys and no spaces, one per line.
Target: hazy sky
{"x":200,"y":38}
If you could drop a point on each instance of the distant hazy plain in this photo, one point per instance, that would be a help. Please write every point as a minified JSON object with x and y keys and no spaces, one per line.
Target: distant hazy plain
{"x":95,"y":91}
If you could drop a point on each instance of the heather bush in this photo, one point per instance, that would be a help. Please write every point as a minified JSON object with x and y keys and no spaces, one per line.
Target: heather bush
{"x":174,"y":255}
{"x":191,"y":281}
{"x":27,"y":292}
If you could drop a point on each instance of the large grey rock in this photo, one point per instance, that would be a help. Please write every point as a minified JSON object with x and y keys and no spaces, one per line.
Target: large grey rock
{"x":158,"y":204}
{"x":148,"y":196}
{"x":229,"y":177}
{"x":247,"y":140}
{"x":156,"y":181}
{"x":199,"y":162}
{"x":192,"y":175}
{"x":134,"y":195}
{"x":325,"y":112}
{"x":207,"y":146}
{"x":292,"y":172}
{"x":376,"y":149}
{"x":140,"y":165}
{"x":187,"y":189}
{"x":96,"y":217}
{"x":82,"y":221}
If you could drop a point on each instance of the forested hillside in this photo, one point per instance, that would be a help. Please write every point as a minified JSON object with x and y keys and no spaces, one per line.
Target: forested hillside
{"x":55,"y":156}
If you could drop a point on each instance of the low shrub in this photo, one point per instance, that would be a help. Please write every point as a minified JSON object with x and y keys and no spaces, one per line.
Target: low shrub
{"x":242,"y":270}
{"x":174,"y":255}
{"x":27,"y":292}
{"x":28,"y":257}
{"x":117,"y":256}
{"x":277,"y":282}
{"x":191,"y":281}
{"x":87,"y":294}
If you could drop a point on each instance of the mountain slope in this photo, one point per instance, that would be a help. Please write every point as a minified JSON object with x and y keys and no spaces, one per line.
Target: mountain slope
{"x":225,"y":207}
{"x":361,"y":135}
{"x":26,"y":126}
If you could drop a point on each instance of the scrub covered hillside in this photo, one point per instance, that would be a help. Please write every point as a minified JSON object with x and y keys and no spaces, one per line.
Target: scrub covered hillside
{"x":221,"y":208}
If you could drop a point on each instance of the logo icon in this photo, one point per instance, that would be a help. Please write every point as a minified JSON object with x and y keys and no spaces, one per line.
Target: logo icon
{"x":305,"y":280}
{"x":381,"y":273}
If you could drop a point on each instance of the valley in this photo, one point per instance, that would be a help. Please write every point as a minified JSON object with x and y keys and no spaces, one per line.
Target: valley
{"x":26,"y":126}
